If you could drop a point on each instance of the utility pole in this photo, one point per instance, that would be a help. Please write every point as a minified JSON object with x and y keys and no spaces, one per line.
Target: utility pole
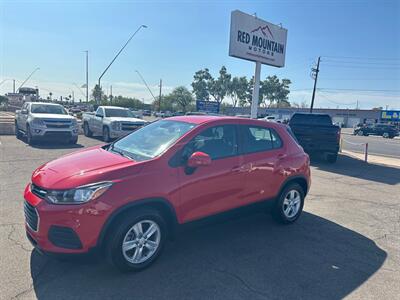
{"x":87,"y":76}
{"x":13,"y":86}
{"x":111,"y":97}
{"x":159,"y":100}
{"x":315,"y":76}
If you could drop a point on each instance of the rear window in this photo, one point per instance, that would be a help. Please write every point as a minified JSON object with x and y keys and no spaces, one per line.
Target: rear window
{"x":311,"y":119}
{"x":257,"y":139}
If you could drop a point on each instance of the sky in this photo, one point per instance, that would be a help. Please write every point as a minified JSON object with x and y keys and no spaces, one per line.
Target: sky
{"x":358,"y":41}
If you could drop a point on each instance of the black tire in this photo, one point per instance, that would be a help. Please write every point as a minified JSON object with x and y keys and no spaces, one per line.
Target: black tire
{"x":73,"y":140}
{"x":29,"y":138}
{"x":86,"y":130}
{"x":331,"y":157}
{"x":279,"y":206}
{"x":18,"y":133}
{"x":113,"y":248}
{"x":360,"y":133}
{"x":106,"y":134}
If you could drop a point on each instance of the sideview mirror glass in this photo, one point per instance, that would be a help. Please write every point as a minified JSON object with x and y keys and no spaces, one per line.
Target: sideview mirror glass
{"x":24,"y":111}
{"x":199,"y":159}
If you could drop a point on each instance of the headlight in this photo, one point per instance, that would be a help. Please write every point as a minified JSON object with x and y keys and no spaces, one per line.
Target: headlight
{"x":78,"y":195}
{"x":37,"y":123}
{"x":116,"y":125}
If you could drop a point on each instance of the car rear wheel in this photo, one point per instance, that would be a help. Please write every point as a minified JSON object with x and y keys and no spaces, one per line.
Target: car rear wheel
{"x":86,"y":130}
{"x":106,"y":134}
{"x":289,"y":205}
{"x":29,"y":137}
{"x":137,"y":241}
{"x":18,"y":133}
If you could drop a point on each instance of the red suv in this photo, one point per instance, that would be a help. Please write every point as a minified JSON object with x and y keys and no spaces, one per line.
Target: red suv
{"x":127,"y":196}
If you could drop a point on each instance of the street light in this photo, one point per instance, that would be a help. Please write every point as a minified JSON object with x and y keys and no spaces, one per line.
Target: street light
{"x":119,"y":52}
{"x":30,"y":75}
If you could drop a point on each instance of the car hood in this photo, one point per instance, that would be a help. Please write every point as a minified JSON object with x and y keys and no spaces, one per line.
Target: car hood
{"x":52,"y":116}
{"x":83,"y":167}
{"x":122,"y":119}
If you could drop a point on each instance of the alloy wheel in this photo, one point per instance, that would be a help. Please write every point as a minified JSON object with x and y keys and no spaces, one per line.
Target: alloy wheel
{"x":291,"y":204}
{"x":141,"y":241}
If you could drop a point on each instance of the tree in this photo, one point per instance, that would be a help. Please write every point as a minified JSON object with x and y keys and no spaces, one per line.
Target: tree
{"x":51,"y":96}
{"x":275,"y":91}
{"x":97,"y":92}
{"x":220,"y":87}
{"x":201,"y":84}
{"x":238,"y":89}
{"x":182,"y":97}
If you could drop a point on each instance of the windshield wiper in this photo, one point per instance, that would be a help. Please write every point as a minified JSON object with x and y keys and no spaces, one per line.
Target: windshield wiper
{"x":119,"y":152}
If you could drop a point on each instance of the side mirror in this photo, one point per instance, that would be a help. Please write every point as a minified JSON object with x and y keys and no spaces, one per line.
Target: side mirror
{"x":24,"y":111}
{"x":198,"y":159}
{"x":100,"y":116}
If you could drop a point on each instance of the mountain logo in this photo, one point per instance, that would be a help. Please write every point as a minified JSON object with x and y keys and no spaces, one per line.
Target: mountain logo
{"x":263,"y":30}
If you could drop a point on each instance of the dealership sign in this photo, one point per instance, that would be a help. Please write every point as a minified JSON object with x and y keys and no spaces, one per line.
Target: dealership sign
{"x":254,"y":39}
{"x":207,"y":106}
{"x":390,"y":115}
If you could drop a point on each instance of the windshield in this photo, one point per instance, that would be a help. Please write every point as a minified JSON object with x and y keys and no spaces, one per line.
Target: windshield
{"x":151,"y":140}
{"x":48,"y":109}
{"x":115,"y":112}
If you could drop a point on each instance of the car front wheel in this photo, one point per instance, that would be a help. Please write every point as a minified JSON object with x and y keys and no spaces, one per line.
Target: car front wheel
{"x":289,"y":205}
{"x":137,"y":241}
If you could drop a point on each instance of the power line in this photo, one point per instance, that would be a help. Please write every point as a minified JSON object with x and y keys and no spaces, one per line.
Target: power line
{"x":361,"y":62}
{"x":363,"y":58}
{"x":363,"y":67}
{"x":334,"y":102}
{"x":358,"y":90}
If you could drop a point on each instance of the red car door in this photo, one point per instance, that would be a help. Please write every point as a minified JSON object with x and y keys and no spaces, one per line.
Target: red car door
{"x":263,"y":153}
{"x":215,"y":188}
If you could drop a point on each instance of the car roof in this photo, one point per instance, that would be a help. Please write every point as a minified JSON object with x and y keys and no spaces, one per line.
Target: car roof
{"x":47,"y":103}
{"x":196,"y":119}
{"x":116,"y":107}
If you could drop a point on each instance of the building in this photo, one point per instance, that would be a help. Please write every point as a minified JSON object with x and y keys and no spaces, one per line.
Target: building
{"x":342,"y":117}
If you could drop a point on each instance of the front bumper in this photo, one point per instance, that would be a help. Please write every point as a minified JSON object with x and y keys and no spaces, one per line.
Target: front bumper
{"x":54,"y":133}
{"x":64,"y":228}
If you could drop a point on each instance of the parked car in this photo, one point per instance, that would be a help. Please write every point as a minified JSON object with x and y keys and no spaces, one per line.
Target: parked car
{"x":128,"y":197}
{"x":146,"y":113}
{"x":45,"y":121}
{"x":268,"y":119}
{"x":316,"y":134}
{"x":110,"y":122}
{"x":384,"y":130}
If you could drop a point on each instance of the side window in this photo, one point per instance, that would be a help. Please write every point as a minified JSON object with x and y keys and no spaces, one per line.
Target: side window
{"x":258,"y":139}
{"x":218,"y":142}
{"x":99,"y":112}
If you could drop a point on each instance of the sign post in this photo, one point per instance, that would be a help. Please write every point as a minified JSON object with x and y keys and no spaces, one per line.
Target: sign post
{"x":257,"y":40}
{"x":256,"y":91}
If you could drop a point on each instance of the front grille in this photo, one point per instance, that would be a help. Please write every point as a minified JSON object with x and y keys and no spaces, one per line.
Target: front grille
{"x":41,"y":193}
{"x":64,"y":237}
{"x":31,"y":216}
{"x":131,"y":126}
{"x":57,"y":123}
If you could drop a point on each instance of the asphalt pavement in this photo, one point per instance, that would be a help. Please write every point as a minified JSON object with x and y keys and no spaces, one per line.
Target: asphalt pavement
{"x":377,"y":145}
{"x":346,"y":244}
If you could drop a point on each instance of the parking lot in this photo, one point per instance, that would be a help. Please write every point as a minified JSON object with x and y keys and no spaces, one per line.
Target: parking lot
{"x":345,"y":244}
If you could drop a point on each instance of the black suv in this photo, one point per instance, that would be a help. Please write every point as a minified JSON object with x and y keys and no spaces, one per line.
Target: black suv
{"x":385,"y":130}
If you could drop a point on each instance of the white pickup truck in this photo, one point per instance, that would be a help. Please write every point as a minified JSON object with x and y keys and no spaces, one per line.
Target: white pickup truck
{"x":43,"y":121}
{"x":110,"y":122}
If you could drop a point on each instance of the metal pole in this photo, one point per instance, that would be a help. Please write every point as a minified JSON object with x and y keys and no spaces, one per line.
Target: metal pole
{"x":30,"y":75}
{"x":119,"y":52}
{"x":159,"y":99}
{"x":87,"y":76}
{"x":315,"y":84}
{"x":147,"y":86}
{"x":256,"y":91}
{"x":13,"y":86}
{"x":366,"y":152}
